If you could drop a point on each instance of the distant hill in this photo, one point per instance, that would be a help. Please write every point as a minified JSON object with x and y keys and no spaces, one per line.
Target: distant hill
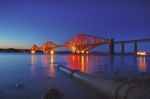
{"x":14,"y":50}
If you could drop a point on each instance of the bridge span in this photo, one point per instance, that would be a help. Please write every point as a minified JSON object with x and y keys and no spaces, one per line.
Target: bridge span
{"x":135,"y":42}
{"x":81,"y":43}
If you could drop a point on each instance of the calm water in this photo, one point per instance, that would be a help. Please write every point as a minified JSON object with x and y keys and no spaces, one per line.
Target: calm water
{"x":38,"y":74}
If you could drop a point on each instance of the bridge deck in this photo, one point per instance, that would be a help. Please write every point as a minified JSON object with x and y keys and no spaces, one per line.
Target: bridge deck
{"x":131,"y":41}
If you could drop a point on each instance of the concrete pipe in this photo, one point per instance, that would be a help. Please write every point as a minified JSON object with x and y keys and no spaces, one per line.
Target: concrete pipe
{"x":111,"y":88}
{"x":66,"y":70}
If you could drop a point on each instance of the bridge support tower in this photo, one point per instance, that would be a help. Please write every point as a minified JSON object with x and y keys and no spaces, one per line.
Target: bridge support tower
{"x":122,"y":48}
{"x":111,"y":47}
{"x":135,"y":47}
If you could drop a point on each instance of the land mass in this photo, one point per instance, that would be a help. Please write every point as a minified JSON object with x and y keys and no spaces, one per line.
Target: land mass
{"x":14,"y":50}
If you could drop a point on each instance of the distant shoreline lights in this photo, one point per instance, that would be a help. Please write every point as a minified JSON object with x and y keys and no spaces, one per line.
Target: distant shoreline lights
{"x":141,"y":53}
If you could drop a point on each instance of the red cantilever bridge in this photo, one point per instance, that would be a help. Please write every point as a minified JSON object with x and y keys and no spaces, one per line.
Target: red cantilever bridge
{"x":81,"y":43}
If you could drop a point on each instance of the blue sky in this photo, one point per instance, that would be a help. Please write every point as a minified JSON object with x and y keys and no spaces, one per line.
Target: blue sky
{"x":27,"y":22}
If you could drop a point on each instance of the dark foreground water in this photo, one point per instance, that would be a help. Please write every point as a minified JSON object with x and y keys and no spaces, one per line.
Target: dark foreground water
{"x":38,"y":74}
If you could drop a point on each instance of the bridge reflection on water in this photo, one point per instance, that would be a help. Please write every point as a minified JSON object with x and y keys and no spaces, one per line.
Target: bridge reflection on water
{"x":93,"y":63}
{"x":142,"y":64}
{"x":46,"y":60}
{"x":79,"y":62}
{"x":33,"y":64}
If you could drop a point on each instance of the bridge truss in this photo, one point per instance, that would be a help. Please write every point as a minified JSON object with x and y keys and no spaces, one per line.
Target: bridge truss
{"x":80,"y":43}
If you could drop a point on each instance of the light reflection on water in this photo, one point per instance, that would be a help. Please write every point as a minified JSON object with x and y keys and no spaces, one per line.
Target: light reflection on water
{"x":95,"y":64}
{"x":33,"y":71}
{"x":33,"y":63}
{"x":142,"y":64}
{"x":47,"y":62}
{"x":105,"y":65}
{"x":79,"y":62}
{"x":45,"y":59}
{"x":52,"y":68}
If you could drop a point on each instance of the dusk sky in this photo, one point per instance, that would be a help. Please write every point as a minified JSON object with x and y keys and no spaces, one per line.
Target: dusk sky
{"x":27,"y":22}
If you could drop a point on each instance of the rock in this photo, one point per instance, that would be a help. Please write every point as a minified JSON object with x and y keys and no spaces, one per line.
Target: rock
{"x":18,"y":86}
{"x":49,"y":77}
{"x":122,"y":79}
{"x":53,"y":94}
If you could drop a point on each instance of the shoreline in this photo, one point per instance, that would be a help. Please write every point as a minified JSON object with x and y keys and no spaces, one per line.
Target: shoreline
{"x":13,"y":50}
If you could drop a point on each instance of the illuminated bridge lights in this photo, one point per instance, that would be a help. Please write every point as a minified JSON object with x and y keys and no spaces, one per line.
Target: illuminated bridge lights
{"x":34,"y":48}
{"x":32,"y":52}
{"x":80,"y":52}
{"x":84,"y":42}
{"x":141,"y":53}
{"x":48,"y":47}
{"x":51,"y":52}
{"x":80,"y":44}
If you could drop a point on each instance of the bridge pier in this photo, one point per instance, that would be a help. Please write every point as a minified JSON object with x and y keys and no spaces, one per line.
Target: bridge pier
{"x":111,"y":47}
{"x":135,"y":47}
{"x":122,"y":48}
